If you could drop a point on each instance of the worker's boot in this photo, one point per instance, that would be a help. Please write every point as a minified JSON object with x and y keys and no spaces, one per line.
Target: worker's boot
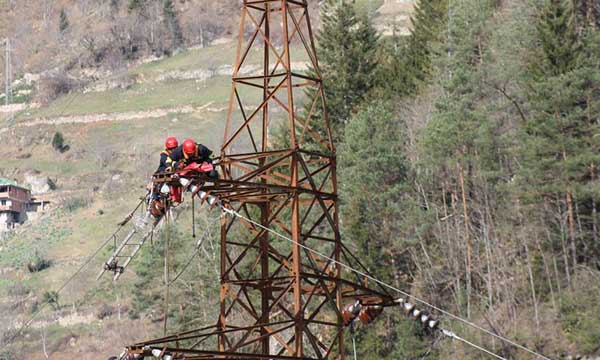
{"x":157,"y":208}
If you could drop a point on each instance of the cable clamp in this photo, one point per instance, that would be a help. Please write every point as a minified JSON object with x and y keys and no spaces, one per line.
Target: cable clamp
{"x":449,"y":334}
{"x":228,"y":211}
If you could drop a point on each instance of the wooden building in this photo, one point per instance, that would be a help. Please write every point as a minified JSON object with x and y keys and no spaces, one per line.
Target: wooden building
{"x":15,"y":203}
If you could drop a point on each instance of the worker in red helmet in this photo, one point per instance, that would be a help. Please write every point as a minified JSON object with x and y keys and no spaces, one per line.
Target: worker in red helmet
{"x":165,"y":165}
{"x":191,"y":152}
{"x":166,"y":162}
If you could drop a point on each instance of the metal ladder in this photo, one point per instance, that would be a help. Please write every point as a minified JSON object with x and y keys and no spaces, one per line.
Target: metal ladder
{"x":130,"y":245}
{"x":144,"y":228}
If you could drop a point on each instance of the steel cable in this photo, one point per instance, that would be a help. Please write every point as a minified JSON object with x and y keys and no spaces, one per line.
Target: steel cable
{"x":72,"y":277}
{"x":452,"y":335}
{"x":348,"y":267}
{"x":199,"y":246}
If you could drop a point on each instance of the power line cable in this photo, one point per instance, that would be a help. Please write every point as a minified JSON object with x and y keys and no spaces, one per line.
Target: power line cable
{"x":348,"y":267}
{"x":234,"y":213}
{"x":63,"y":286}
{"x":72,"y":277}
{"x":452,"y":335}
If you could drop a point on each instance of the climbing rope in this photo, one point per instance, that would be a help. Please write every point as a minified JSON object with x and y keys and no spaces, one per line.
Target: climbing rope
{"x":361,"y":273}
{"x":167,"y":255}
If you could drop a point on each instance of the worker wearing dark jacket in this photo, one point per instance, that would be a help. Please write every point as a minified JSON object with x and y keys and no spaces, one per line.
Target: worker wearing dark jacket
{"x":166,"y":160}
{"x":191,"y":152}
{"x":156,"y":206}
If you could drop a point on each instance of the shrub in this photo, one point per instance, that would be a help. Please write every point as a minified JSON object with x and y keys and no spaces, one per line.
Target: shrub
{"x":51,"y":297}
{"x":52,"y":184}
{"x":104,"y":311}
{"x":58,"y":141}
{"x":580,"y":313}
{"x":55,"y":86}
{"x":63,"y":23}
{"x":76,"y":203}
{"x":38,"y":264}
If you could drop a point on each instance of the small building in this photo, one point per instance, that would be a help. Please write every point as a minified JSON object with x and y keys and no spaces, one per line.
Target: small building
{"x":15,"y":204}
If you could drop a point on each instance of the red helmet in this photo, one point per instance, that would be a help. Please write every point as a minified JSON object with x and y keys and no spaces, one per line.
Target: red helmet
{"x":189,"y":146}
{"x":171,"y":143}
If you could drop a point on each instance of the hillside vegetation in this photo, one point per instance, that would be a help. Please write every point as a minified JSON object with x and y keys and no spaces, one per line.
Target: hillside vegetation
{"x":58,"y":47}
{"x":477,"y":139}
{"x":467,"y":150}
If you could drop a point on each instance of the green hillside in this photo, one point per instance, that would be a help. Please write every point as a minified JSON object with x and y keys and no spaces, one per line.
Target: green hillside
{"x":98,"y":181}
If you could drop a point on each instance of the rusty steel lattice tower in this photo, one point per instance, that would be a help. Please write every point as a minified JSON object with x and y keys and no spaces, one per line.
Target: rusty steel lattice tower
{"x":278,"y":300}
{"x":290,"y":297}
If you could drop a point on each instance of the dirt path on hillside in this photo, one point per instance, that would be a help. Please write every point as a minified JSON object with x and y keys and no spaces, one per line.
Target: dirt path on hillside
{"x":113,"y":117}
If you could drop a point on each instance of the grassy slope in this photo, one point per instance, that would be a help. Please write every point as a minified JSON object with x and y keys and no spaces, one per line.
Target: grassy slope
{"x":68,"y":236}
{"x":150,"y":93}
{"x":139,"y":97}
{"x":74,"y":229}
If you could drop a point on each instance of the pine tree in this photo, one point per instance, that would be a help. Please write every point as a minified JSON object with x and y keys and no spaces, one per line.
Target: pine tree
{"x":63,"y":23}
{"x":429,"y":23}
{"x":458,"y":145}
{"x":407,"y":60}
{"x":376,"y":202}
{"x":346,"y":45}
{"x":374,"y":176}
{"x":560,"y":154}
{"x":137,"y":5}
{"x":394,"y":78}
{"x":452,"y":133}
{"x":558,"y":57}
{"x":558,"y":37}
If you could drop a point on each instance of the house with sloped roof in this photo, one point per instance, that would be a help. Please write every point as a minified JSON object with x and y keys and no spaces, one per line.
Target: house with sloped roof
{"x":16,"y":203}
